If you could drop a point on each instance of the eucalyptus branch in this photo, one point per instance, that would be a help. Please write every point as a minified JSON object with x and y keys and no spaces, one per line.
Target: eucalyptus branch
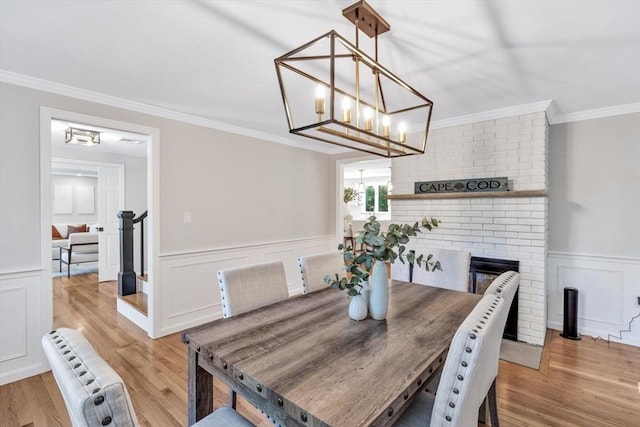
{"x":379,"y":246}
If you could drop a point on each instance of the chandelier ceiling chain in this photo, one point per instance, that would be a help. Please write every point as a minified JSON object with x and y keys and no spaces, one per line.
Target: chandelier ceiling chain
{"x":380,"y":102}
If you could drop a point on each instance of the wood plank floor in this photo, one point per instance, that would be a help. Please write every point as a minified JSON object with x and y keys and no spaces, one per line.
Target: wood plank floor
{"x":580,"y":383}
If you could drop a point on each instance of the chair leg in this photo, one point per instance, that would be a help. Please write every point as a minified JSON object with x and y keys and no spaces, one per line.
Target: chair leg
{"x":69,"y":267}
{"x":232,"y":399}
{"x":493,"y":405}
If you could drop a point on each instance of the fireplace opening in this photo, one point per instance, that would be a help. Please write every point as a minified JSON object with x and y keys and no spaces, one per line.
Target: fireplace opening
{"x":482,"y":272}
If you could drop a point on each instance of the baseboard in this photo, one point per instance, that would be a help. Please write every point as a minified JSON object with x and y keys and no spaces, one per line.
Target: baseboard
{"x":24,"y":372}
{"x":133,"y":315}
{"x":589,"y":333}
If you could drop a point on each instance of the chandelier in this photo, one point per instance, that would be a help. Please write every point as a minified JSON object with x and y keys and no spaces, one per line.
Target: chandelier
{"x":358,"y":103}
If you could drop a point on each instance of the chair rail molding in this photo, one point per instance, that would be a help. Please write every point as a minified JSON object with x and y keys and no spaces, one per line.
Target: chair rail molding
{"x":608,"y":288}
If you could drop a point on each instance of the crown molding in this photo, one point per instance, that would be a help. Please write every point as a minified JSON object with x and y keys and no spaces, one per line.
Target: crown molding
{"x":554,"y":116}
{"x":113,"y":101}
{"x":616,"y":110}
{"x":499,"y":113}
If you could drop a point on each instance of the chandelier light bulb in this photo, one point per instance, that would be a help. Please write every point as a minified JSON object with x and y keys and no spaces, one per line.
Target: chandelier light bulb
{"x":386,"y":123}
{"x":346,"y":110}
{"x":320,"y":99}
{"x":402,"y":132}
{"x":368,"y":116}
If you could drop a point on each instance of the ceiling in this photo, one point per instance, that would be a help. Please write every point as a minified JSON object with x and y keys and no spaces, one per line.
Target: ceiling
{"x":214,"y":60}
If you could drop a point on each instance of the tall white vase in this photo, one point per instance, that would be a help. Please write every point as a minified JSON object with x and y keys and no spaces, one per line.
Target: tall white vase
{"x":379,"y":291}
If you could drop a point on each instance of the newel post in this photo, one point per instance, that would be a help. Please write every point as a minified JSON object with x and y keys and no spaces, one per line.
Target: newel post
{"x":126,"y":276}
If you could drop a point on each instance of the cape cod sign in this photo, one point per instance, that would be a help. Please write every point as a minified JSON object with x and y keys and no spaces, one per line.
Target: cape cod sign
{"x":474,"y":185}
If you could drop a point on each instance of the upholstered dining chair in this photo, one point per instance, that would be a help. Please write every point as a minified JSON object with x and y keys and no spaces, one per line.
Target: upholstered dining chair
{"x":94,"y":394}
{"x":454,"y":275}
{"x":505,"y":286}
{"x":313,"y":268}
{"x":250,"y":287}
{"x":469,"y":372}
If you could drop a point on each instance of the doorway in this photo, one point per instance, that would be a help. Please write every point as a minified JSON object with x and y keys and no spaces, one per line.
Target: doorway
{"x":88,"y":194}
{"x":112,"y":174}
{"x":368,"y":181}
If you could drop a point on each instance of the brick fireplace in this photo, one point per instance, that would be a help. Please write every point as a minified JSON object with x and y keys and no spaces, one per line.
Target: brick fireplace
{"x":510,"y":228}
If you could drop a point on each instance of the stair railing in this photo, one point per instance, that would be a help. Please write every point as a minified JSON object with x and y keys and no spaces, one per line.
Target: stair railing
{"x":127,"y":274}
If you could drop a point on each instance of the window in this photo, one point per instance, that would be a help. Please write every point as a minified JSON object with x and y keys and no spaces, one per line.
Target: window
{"x":383,"y":204}
{"x":376,"y":199}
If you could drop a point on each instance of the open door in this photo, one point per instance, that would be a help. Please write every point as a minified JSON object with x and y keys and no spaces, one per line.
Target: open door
{"x":110,"y":202}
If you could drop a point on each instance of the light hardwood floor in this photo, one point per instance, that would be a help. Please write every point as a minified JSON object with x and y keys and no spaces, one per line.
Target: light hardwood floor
{"x":580,"y":383}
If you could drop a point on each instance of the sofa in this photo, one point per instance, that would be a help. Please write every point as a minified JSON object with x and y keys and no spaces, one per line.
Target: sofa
{"x":60,"y":236}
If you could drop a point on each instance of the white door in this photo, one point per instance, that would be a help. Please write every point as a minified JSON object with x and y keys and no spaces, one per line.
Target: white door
{"x":110,"y":202}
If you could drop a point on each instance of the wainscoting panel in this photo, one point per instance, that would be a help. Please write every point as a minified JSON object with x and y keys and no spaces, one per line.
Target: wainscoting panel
{"x":197,"y":277}
{"x":188,"y":284}
{"x":607,"y":294}
{"x":21,"y":325}
{"x":13,"y":323}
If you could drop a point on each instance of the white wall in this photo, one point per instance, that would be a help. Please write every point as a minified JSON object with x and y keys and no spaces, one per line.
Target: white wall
{"x":594,"y":194}
{"x":241,"y":191}
{"x":594,"y":223}
{"x":74,"y":182}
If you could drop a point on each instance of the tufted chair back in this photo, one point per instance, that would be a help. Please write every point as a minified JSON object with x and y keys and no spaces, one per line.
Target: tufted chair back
{"x":94,"y":393}
{"x":471,"y":365}
{"x":246,"y":288}
{"x":313,"y":268}
{"x":454,"y":274}
{"x":505,"y":286}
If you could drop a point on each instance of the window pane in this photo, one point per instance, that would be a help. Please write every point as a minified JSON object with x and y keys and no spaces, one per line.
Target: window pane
{"x":383,"y":204}
{"x":370,"y":198}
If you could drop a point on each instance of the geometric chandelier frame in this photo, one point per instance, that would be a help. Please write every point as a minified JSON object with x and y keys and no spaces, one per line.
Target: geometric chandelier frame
{"x":369,"y":109}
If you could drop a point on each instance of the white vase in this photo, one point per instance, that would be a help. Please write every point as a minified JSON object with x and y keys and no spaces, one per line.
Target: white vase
{"x":379,"y":291}
{"x":365,"y":291}
{"x":358,"y":307}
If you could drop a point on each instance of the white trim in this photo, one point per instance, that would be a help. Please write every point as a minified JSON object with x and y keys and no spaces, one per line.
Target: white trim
{"x":178,"y":254}
{"x":46,"y":216}
{"x":590,"y":333}
{"x":23,"y":272}
{"x":499,"y":113}
{"x":597,"y":113}
{"x":594,"y":257}
{"x":7,"y":377}
{"x":132,"y":314}
{"x":153,"y":197}
{"x":101,"y":98}
{"x":553,"y":114}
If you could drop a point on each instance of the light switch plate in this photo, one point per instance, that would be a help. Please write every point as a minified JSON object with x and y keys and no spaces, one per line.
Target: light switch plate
{"x":187,"y":217}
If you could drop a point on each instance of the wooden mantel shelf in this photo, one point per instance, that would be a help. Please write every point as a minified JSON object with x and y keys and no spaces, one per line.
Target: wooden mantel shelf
{"x":487,"y":194}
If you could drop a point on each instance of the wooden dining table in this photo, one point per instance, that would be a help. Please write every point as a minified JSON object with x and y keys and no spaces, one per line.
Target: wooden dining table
{"x":304,"y":362}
